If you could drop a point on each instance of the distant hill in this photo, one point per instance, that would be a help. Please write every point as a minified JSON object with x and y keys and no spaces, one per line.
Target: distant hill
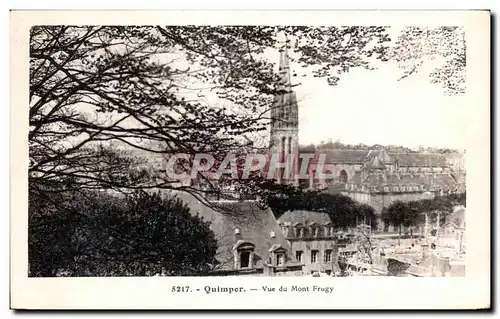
{"x":390,"y":148}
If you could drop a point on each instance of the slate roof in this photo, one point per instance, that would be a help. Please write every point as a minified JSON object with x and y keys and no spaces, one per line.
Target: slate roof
{"x":443,"y":181}
{"x":419,"y":159}
{"x":304,"y":217}
{"x":338,"y":156}
{"x":255,"y":225}
{"x":347,"y":156}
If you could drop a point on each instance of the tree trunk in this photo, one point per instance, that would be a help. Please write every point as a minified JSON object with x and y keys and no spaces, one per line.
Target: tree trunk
{"x":399,"y":238}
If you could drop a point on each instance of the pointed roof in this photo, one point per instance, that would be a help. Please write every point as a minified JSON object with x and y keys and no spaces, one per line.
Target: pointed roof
{"x":276,"y":247}
{"x":376,"y":163}
{"x":255,"y":224}
{"x":285,"y":99}
{"x":284,"y":67}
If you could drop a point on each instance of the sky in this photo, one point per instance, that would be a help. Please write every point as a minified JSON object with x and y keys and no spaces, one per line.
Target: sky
{"x":373,"y":107}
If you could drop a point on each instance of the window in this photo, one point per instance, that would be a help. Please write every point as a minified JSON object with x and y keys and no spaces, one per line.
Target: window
{"x":314,"y":256}
{"x":280,"y":259}
{"x":245,"y":259}
{"x":244,"y":254}
{"x":286,"y":231}
{"x":343,"y":176}
{"x":314,"y":232}
{"x":328,"y":255}
{"x":298,"y":255}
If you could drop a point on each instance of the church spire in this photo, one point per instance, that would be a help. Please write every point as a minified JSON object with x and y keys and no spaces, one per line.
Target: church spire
{"x":284,"y":138}
{"x":285,"y":109}
{"x":284,"y":68}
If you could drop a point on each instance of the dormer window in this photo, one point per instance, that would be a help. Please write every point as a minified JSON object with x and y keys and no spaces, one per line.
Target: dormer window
{"x":286,"y":231}
{"x":303,"y":232}
{"x":280,"y":259}
{"x":298,"y":229}
{"x":278,"y":255}
{"x":327,"y":229}
{"x":245,"y":259}
{"x":314,"y":227}
{"x":314,"y":232}
{"x":244,"y":252}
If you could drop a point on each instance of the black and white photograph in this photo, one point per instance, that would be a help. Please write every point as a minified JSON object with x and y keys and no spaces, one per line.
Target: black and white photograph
{"x":249,"y":150}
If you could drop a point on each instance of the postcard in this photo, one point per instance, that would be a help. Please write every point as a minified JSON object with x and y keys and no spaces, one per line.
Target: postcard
{"x":250,"y":160}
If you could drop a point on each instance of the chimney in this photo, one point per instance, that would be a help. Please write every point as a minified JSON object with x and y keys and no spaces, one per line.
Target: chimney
{"x":237,"y":234}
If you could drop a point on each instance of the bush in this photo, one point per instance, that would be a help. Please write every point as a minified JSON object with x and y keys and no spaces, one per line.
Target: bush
{"x":107,"y":235}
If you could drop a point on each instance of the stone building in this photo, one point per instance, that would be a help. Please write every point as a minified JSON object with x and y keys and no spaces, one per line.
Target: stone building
{"x":312,"y":240}
{"x":378,"y":178}
{"x":250,"y":241}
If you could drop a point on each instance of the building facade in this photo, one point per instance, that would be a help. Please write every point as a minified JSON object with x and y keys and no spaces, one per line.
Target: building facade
{"x":312,"y":239}
{"x":378,"y":178}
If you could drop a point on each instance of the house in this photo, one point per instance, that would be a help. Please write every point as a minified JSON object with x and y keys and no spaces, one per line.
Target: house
{"x":250,"y":241}
{"x":452,"y":233}
{"x":312,"y":239}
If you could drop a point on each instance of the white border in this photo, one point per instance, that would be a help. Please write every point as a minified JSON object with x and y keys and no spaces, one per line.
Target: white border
{"x":353,"y":293}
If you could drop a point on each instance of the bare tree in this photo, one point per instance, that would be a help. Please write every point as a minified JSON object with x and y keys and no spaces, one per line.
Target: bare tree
{"x":97,"y":92}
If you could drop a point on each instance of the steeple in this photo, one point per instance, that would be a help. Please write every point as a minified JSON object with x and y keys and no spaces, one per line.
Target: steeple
{"x":284,"y":69}
{"x":284,"y":139}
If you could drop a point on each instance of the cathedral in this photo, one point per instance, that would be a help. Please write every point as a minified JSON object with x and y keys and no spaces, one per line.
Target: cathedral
{"x":375,"y":177}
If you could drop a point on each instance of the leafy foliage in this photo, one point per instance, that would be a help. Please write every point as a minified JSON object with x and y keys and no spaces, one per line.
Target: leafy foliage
{"x":343,"y":210}
{"x":417,"y":46}
{"x":104,"y":235}
{"x":400,"y":214}
{"x":412,"y":213}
